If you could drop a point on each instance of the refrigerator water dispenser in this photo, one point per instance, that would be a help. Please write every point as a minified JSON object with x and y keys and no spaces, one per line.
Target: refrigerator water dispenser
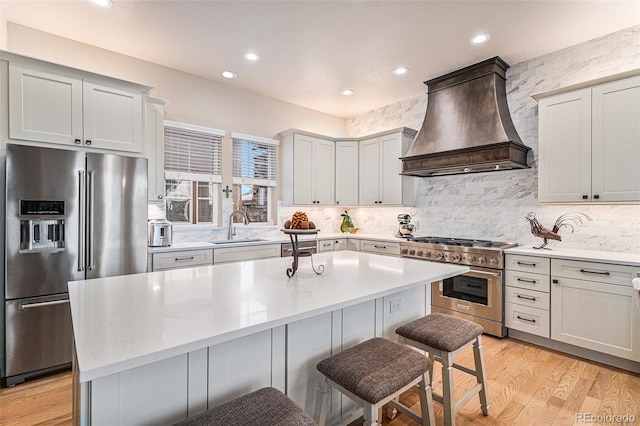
{"x":38,"y":235}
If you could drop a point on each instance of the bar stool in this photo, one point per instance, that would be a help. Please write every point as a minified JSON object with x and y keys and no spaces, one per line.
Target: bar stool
{"x":266,"y":406}
{"x":444,"y":336}
{"x":374,"y":373}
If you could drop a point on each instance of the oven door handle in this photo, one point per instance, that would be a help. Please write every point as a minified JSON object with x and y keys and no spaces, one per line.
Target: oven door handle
{"x":475,"y":271}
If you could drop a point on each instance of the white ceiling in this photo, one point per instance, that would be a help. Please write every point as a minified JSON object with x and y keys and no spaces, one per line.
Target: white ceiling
{"x":311,"y":50}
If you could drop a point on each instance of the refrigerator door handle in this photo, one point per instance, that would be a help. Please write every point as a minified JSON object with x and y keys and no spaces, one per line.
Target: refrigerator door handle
{"x":90,"y":233}
{"x":41,"y":304}
{"x":81,"y":222}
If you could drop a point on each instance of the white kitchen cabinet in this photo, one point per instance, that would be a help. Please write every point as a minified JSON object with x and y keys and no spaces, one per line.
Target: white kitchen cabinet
{"x":252,"y":252}
{"x":527,"y":300}
{"x":588,"y":143}
{"x":332,"y":245}
{"x":379,"y":179}
{"x":154,"y":149}
{"x":53,"y":104}
{"x":353,"y":245}
{"x":340,"y":244}
{"x":346,"y":173}
{"x":308,"y":169}
{"x":380,"y":247}
{"x":594,"y":306}
{"x":181,"y":259}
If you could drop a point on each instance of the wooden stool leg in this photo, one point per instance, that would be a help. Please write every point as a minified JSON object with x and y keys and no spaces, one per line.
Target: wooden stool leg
{"x":323,"y":394}
{"x":478,"y":355}
{"x":426,"y":401}
{"x":448,"y":401}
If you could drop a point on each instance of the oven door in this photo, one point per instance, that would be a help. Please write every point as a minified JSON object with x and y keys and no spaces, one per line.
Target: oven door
{"x":477,"y":293}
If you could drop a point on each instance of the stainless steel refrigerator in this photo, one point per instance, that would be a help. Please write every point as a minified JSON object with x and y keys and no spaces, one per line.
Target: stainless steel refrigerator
{"x":70,"y":215}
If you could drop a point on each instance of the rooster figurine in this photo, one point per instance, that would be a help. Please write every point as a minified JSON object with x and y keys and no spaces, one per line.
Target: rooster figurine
{"x":567,"y":220}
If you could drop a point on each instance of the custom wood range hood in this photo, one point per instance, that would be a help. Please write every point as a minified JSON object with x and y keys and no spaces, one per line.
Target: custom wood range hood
{"x":467,"y":127}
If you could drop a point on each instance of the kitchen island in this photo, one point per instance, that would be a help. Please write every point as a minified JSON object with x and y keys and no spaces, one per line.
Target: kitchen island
{"x":162,"y":346}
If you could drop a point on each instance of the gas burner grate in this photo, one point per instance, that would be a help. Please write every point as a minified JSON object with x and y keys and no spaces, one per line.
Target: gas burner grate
{"x":459,"y":242}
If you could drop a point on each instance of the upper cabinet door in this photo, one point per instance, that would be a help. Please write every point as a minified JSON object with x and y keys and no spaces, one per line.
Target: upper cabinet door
{"x":44,"y":107}
{"x":564,"y":162}
{"x":324,"y":172}
{"x":112,"y":118}
{"x":346,"y":173}
{"x":303,"y":170}
{"x":390,"y":168}
{"x":616,"y":141}
{"x":369,"y":172}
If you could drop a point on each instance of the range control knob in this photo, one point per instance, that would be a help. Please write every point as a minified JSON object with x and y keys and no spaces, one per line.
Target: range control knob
{"x":404,"y":251}
{"x":419,"y":253}
{"x":493,"y":261}
{"x":439,"y":255}
{"x":471,"y":258}
{"x":412,"y":252}
{"x":427,"y":254}
{"x":455,"y":257}
{"x":483,"y":259}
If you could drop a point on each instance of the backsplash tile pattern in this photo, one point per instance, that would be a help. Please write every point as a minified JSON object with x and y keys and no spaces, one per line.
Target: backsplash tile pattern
{"x":488,"y":205}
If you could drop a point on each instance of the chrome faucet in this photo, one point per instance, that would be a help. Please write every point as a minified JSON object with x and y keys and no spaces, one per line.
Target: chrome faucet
{"x":231,"y":231}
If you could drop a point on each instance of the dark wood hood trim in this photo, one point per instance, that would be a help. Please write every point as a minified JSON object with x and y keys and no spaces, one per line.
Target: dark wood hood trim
{"x":500,"y":156}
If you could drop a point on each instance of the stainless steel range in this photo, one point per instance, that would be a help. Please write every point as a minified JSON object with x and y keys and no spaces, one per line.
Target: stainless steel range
{"x":477,"y":295}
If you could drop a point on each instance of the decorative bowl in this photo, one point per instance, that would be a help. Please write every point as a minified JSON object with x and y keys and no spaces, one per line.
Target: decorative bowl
{"x":352,"y":230}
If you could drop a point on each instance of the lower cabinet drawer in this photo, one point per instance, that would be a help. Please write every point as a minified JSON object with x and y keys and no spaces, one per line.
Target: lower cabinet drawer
{"x":182,"y":259}
{"x":524,"y":297}
{"x":326,"y":245}
{"x":527,"y":319}
{"x":237,"y":254}
{"x":381,"y":247}
{"x":527,"y":280}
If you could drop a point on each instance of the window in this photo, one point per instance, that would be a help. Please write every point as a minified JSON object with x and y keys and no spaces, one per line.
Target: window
{"x":193,"y":172}
{"x":255,"y":170}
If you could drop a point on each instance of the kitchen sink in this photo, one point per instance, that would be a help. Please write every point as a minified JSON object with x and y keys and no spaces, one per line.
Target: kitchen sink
{"x":247,"y":240}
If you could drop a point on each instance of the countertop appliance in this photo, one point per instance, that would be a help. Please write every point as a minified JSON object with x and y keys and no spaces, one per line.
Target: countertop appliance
{"x":70,"y":215}
{"x":405,"y":227}
{"x":477,"y":295}
{"x":159,"y":232}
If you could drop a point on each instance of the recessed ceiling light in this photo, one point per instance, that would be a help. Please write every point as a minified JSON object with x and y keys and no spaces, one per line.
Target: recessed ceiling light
{"x":229,"y":74}
{"x":401,"y":70}
{"x":347,"y":92}
{"x":480,"y":38}
{"x":103,"y":3}
{"x":252,"y":56}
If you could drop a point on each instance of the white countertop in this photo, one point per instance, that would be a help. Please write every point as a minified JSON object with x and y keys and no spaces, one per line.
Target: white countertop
{"x":128,"y":321}
{"x":630,"y":259}
{"x":270,"y":240}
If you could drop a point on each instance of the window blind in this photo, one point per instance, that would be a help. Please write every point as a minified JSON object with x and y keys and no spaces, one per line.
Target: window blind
{"x":192,"y":152}
{"x":255,"y":160}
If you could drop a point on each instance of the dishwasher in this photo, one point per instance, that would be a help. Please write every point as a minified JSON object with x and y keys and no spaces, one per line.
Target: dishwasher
{"x":303,"y":246}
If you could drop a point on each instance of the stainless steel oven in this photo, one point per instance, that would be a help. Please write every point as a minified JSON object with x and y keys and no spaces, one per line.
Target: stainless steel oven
{"x":476,"y":295}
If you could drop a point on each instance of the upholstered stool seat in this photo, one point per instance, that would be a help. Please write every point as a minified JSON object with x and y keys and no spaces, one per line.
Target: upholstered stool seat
{"x":443,"y":336}
{"x":374,"y":373}
{"x":266,"y":406}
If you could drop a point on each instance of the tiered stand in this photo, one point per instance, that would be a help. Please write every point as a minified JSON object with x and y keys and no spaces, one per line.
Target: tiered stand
{"x":293,"y":235}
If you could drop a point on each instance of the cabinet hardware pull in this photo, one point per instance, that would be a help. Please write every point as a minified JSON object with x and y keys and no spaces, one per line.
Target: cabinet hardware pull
{"x":88,"y":142}
{"x":554,"y":281}
{"x":596,"y":197}
{"x":586,"y":271}
{"x":380,"y":247}
{"x":40,"y":304}
{"x":527,"y":281}
{"x":182,"y":259}
{"x":474,"y":286}
{"x":526,"y":319}
{"x":533,"y":299}
{"x":527,"y":263}
{"x":585,"y":197}
{"x":77,"y":141}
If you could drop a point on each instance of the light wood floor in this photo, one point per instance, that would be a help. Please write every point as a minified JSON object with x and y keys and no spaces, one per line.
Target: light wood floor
{"x":528,"y":385}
